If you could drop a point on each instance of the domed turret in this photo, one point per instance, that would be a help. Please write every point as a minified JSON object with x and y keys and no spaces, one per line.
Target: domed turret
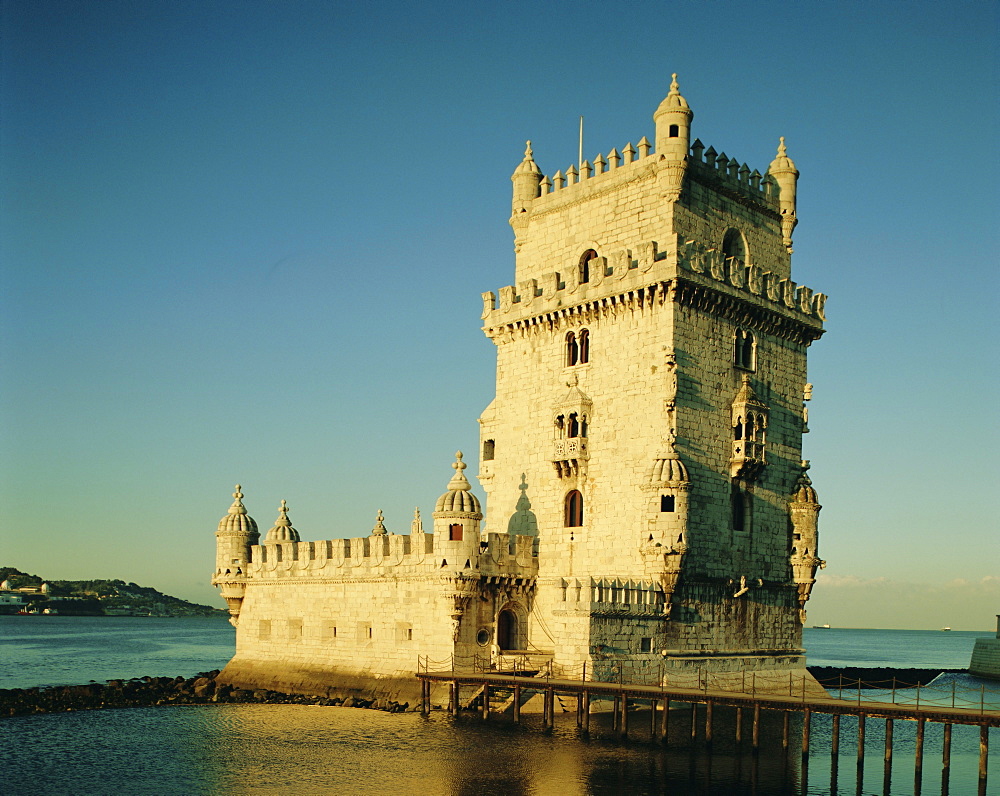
{"x":668,"y":469}
{"x":282,"y":530}
{"x":237,"y":533}
{"x":673,"y":124}
{"x":456,"y":523}
{"x":527,"y":178}
{"x":805,"y":492}
{"x":237,"y":521}
{"x":785,"y":175}
{"x":458,"y":498}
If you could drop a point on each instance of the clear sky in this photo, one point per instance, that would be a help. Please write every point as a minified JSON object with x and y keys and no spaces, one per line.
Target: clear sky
{"x":245,"y":242}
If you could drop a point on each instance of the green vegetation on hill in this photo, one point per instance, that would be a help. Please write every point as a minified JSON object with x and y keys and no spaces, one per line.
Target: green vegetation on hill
{"x":102,"y":597}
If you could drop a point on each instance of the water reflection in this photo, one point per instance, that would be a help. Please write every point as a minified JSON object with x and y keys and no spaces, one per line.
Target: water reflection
{"x":251,"y":749}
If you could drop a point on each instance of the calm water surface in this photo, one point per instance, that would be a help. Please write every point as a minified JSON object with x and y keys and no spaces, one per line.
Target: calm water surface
{"x":250,"y":749}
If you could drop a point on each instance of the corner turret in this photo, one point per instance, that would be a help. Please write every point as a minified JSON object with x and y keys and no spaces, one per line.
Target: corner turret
{"x":236,"y":534}
{"x":527,"y":178}
{"x":673,"y":140}
{"x":785,"y":175}
{"x":804,"y":512}
{"x":673,"y":124}
{"x":456,"y":523}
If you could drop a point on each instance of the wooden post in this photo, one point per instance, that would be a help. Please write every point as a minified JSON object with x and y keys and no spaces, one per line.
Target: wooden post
{"x":708,"y":723}
{"x":861,"y":740}
{"x":549,"y":710}
{"x":806,"y":720}
{"x":984,"y":750}
{"x":652,"y":720}
{"x":517,"y":703}
{"x":887,"y":765}
{"x":624,"y":724}
{"x":755,"y":739}
{"x":694,"y":719}
{"x":739,"y":725}
{"x":835,"y":739}
{"x":579,"y":709}
{"x":586,"y":712}
{"x":453,"y":698}
{"x":424,"y":706}
{"x":614,"y":714}
{"x":665,"y":721}
{"x":486,"y":701}
{"x":918,"y":763}
{"x":946,"y":754}
{"x":784,"y":729}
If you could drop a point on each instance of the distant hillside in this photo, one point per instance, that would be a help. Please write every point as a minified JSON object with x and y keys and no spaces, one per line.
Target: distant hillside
{"x":97,"y":597}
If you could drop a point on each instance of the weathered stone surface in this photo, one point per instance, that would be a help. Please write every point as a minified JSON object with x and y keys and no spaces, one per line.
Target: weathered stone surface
{"x":642,"y":459}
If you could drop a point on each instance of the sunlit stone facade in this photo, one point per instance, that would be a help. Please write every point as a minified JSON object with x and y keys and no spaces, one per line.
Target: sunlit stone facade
{"x":648,"y":504}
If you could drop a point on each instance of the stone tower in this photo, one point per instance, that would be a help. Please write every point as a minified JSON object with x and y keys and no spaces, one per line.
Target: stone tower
{"x":649,"y":410}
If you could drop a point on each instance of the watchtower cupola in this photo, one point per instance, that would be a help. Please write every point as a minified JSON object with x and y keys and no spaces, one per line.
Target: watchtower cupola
{"x":786,"y":176}
{"x":456,"y":522}
{"x":237,"y":533}
{"x":527,"y":178}
{"x":673,"y":124}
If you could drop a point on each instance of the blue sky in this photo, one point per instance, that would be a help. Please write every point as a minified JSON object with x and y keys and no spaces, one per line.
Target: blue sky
{"x":246,"y":241}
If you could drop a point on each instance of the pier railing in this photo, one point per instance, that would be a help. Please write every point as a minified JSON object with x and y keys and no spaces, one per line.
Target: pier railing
{"x":540,"y":666}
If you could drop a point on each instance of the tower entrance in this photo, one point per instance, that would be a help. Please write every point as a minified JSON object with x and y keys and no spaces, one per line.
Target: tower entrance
{"x":507,"y":631}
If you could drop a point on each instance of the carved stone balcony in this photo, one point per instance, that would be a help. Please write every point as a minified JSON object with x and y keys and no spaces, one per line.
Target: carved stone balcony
{"x":569,"y":456}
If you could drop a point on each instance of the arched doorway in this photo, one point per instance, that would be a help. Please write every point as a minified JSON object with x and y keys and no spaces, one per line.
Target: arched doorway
{"x":507,"y":635}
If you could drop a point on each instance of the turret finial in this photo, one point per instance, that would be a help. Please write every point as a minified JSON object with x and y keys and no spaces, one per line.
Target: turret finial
{"x":379,"y":529}
{"x":237,"y":507}
{"x":674,"y":86}
{"x":528,"y":154}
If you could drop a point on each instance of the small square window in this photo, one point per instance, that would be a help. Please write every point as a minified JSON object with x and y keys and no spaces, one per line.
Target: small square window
{"x":667,"y":503}
{"x":645,"y":645}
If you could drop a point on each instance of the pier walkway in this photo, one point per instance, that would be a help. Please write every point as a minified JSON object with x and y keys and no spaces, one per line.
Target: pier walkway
{"x":746,"y":692}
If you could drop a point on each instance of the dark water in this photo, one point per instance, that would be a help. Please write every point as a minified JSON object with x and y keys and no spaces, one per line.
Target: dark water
{"x":237,"y":749}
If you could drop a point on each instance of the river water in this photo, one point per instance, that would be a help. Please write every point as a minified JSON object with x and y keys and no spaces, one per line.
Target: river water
{"x":251,"y":749}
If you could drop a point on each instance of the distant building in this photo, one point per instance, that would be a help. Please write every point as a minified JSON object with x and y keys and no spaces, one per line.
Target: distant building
{"x":649,"y":508}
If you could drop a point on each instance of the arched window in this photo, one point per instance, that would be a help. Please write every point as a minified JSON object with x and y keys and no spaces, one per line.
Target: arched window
{"x":674,"y":131}
{"x":588,"y":255}
{"x":560,"y":427}
{"x":733,"y":245}
{"x":455,"y":532}
{"x":574,"y":509}
{"x":573,"y":429}
{"x":572,"y":349}
{"x":583,"y":343}
{"x":745,"y":350}
{"x":489,"y":448}
{"x":739,"y":508}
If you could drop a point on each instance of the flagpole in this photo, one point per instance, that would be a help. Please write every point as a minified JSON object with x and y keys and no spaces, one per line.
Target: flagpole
{"x":580,"y":159}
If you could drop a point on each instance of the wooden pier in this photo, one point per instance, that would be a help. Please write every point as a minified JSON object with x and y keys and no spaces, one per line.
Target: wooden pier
{"x":659,"y":697}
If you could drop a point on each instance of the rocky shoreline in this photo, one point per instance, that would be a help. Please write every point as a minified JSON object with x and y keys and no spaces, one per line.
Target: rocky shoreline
{"x":143,"y":692}
{"x":140,"y":692}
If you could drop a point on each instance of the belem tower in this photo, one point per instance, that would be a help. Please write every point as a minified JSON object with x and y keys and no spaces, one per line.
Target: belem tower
{"x":649,"y":506}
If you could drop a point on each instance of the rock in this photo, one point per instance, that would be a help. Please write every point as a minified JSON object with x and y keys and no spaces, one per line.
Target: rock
{"x":203,"y":687}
